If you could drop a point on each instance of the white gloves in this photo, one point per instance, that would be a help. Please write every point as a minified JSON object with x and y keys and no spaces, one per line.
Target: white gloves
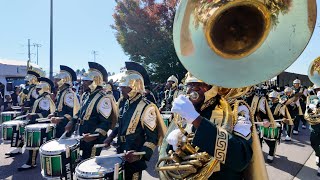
{"x":173,"y":138}
{"x":184,"y":107}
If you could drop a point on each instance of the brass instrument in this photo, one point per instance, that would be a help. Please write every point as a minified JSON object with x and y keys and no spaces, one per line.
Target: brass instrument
{"x":313,"y":116}
{"x":234,"y":44}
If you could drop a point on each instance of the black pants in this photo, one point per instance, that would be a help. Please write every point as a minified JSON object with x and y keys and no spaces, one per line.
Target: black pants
{"x":296,"y":122}
{"x":32,"y":159}
{"x":271,"y":144}
{"x":288,"y":129}
{"x":88,"y":150}
{"x":315,"y":143}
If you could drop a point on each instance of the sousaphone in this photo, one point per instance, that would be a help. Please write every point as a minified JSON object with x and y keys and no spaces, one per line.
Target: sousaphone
{"x":237,"y":44}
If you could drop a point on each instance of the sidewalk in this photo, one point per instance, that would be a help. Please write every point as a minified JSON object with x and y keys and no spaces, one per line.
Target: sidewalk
{"x":309,"y":170}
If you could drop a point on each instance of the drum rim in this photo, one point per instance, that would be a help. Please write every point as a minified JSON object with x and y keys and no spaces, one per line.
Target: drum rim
{"x":13,"y":121}
{"x":33,"y":127}
{"x":81,"y":174}
{"x":52,"y":153}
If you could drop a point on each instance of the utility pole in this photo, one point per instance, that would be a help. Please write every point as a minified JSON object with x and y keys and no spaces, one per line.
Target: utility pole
{"x":29,"y":59}
{"x":51,"y":40}
{"x":37,"y":46}
{"x":94,"y":55}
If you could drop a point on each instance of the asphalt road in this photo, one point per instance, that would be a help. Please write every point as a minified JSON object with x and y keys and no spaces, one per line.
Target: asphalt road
{"x":290,"y":158}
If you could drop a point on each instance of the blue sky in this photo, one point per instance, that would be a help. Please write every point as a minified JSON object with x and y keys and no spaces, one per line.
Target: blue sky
{"x":80,"y":26}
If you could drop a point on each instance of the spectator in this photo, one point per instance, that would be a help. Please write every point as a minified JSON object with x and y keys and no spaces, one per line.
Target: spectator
{"x":15,"y":96}
{"x":7,"y":105}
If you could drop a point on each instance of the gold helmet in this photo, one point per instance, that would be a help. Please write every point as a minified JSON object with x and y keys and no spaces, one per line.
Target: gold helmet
{"x":97,"y":74}
{"x":174,"y":80}
{"x":66,"y":76}
{"x":45,"y":84}
{"x":135,"y":77}
{"x":33,"y":74}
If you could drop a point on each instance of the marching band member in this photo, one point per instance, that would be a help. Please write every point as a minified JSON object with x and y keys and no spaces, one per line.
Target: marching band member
{"x":312,"y":115}
{"x":140,"y":126}
{"x":97,"y":114}
{"x":42,"y":107}
{"x":171,"y":93}
{"x":302,"y":93}
{"x":67,"y":102}
{"x":212,"y":125}
{"x":292,"y":103}
{"x":27,"y":99}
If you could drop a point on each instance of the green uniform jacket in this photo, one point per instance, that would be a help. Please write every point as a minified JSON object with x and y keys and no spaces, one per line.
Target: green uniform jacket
{"x":43,"y":106}
{"x":142,"y":138}
{"x":64,"y":103}
{"x":93,"y":116}
{"x":239,"y":151}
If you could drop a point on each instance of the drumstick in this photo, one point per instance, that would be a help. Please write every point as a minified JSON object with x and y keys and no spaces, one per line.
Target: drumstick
{"x":20,"y":117}
{"x":166,"y":112}
{"x":63,"y":135}
{"x":43,"y":120}
{"x":80,"y":137}
{"x":121,"y":155}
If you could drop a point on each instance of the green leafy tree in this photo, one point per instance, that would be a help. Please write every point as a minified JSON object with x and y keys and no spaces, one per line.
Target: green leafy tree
{"x":144,"y":31}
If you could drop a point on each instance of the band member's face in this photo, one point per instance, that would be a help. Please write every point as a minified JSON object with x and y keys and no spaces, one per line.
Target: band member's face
{"x":169,"y":84}
{"x":296,"y":85}
{"x":125,"y":90}
{"x":55,"y":82}
{"x":85,"y":85}
{"x":199,"y":88}
{"x":288,"y":93}
{"x":274,"y":100}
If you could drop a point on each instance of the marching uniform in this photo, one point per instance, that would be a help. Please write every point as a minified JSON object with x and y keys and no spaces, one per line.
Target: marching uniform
{"x":42,"y":107}
{"x":229,"y":142}
{"x":312,"y":109}
{"x":27,"y":98}
{"x":294,"y":107}
{"x":303,"y":93}
{"x":97,"y":114}
{"x":67,"y":102}
{"x":170,"y":94}
{"x":140,"y":126}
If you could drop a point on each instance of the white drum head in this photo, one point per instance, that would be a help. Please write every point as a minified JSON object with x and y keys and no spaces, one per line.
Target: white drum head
{"x":94,"y":169}
{"x":54,"y":147}
{"x":37,"y":126}
{"x":13,"y":122}
{"x":10,"y":112}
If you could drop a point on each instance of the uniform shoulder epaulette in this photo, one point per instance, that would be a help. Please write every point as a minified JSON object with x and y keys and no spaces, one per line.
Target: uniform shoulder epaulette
{"x":102,"y":93}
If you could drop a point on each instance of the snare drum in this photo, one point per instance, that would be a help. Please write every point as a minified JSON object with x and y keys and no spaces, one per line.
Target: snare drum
{"x":59,"y":158}
{"x":12,"y":132}
{"x":101,"y":167}
{"x":271,"y":134}
{"x":9,"y":115}
{"x":37,"y":134}
{"x":166,"y":118}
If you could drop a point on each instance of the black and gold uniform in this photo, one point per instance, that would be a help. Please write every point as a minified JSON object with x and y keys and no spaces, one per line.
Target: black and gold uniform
{"x":140,"y":126}
{"x":97,"y":114}
{"x":42,"y":107}
{"x":67,"y":102}
{"x":170,"y":93}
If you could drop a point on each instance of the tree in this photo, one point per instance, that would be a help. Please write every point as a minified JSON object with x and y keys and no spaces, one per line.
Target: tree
{"x":83,"y":71}
{"x":78,"y":71}
{"x":144,"y":31}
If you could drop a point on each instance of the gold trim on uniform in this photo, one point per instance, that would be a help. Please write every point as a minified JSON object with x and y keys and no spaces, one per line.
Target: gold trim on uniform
{"x":221,"y":145}
{"x":135,"y":176}
{"x":135,"y":118}
{"x":149,"y":117}
{"x":254,"y":104}
{"x":90,"y":107}
{"x":104,"y":107}
{"x":68,"y":117}
{"x":150,"y":145}
{"x":101,"y":131}
{"x":60,"y":106}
